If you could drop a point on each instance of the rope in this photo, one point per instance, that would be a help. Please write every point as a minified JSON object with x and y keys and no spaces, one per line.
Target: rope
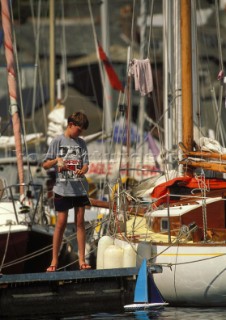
{"x":36,"y":36}
{"x":49,"y":248}
{"x":169,"y":265}
{"x":219,"y":128}
{"x":64,"y":53}
{"x":5,"y":128}
{"x":176,"y":241}
{"x":6,"y":248}
{"x":203,"y":188}
{"x":132,"y":30}
{"x":219,"y":35}
{"x":104,"y":89}
{"x":150,"y":31}
{"x":98,"y":57}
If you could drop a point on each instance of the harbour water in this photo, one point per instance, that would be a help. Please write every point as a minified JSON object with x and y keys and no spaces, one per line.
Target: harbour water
{"x":168,"y":313}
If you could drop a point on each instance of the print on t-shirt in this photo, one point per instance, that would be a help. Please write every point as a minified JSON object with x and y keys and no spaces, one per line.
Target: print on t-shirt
{"x":72,"y":158}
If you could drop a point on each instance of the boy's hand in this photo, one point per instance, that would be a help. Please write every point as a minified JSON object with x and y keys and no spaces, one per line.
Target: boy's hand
{"x":61,"y":165}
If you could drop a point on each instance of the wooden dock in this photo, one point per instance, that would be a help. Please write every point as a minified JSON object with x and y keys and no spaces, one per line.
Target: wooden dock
{"x":67,"y":292}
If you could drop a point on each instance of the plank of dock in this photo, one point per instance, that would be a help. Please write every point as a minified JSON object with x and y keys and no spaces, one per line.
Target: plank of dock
{"x":67,"y":275}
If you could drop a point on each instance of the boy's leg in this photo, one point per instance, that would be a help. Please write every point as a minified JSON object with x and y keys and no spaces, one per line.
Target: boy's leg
{"x":58,"y":236}
{"x":81,"y":236}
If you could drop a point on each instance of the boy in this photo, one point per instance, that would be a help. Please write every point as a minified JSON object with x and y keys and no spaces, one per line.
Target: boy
{"x":68,"y":154}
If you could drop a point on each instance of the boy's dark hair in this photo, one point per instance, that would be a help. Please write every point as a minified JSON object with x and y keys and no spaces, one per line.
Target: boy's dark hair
{"x":79,"y":119}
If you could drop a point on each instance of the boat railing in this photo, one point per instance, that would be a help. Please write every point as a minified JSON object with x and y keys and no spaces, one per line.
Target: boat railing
{"x":140,"y":174}
{"x":31,"y":203}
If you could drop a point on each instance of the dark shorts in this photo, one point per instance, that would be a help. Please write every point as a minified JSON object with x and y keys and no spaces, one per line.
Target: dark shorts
{"x":65,"y":203}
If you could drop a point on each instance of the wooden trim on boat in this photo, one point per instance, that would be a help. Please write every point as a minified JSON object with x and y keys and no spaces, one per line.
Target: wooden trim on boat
{"x":219,"y":167}
{"x":202,"y":154}
{"x":100,"y":203}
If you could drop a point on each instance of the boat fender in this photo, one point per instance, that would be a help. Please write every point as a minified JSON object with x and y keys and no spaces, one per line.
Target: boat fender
{"x":103,"y":243}
{"x":113,"y":257}
{"x":129,"y":256}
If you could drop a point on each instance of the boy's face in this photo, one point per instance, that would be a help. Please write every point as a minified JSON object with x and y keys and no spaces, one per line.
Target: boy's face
{"x":75,"y":130}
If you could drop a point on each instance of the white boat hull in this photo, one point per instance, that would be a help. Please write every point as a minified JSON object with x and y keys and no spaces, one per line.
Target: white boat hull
{"x":193,"y":275}
{"x":26,"y":247}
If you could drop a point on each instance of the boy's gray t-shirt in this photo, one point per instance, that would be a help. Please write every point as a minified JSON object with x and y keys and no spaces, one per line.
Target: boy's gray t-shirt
{"x":75,"y":154}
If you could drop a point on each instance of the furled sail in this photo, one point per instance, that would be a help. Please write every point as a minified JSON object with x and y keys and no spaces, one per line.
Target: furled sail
{"x":12,"y":87}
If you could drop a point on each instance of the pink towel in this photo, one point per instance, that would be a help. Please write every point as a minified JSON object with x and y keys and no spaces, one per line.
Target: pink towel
{"x":141,"y":70}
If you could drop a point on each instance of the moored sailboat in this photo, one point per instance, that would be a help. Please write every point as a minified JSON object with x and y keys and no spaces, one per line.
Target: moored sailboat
{"x":182,"y":227}
{"x":194,"y":259}
{"x":25,"y":236}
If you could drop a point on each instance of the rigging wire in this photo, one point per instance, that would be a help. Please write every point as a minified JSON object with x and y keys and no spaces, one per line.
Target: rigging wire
{"x":36,"y":37}
{"x":155,"y":97}
{"x":18,"y":73}
{"x":37,"y":71}
{"x":95,"y":97}
{"x":132,"y":31}
{"x":101,"y":75}
{"x":196,"y":63}
{"x":219,"y":35}
{"x":97,"y":53}
{"x":64,"y":54}
{"x":219,"y":130}
{"x":6,"y":248}
{"x":110,"y":149}
{"x":11,"y":54}
{"x":200,"y":124}
{"x":151,"y":21}
{"x":48,"y":248}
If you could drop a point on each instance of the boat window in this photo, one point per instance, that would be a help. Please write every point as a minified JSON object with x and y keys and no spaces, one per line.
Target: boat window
{"x":164,"y":224}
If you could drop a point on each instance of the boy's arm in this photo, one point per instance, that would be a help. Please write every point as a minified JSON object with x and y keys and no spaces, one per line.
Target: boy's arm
{"x":84,"y":170}
{"x":50,"y":163}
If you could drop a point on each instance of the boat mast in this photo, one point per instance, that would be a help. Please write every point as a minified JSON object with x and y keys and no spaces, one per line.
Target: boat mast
{"x":12,"y":87}
{"x":186,"y":61}
{"x":52,"y":53}
{"x":177,"y":79}
{"x":168,"y":80}
{"x":187,"y":105}
{"x":107,"y":91}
